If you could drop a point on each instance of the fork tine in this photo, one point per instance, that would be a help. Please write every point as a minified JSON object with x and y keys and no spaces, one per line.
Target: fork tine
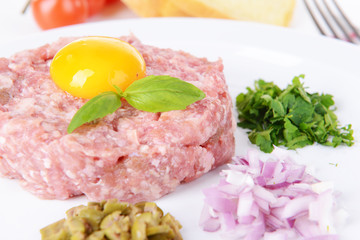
{"x":356,"y":31}
{"x":327,"y":20}
{"x":339,"y":23}
{"x":331,"y":20}
{"x":312,"y":14}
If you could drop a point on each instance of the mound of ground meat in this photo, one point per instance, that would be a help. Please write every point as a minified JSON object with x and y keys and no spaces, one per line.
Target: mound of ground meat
{"x":130,"y":155}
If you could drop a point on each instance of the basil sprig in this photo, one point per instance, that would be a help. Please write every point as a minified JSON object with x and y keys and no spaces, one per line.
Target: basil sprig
{"x":150,"y":94}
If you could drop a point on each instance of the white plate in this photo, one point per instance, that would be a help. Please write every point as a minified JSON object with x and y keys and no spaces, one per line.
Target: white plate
{"x":249,"y":51}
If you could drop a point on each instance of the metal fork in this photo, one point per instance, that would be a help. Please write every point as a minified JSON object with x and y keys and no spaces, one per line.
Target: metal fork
{"x":331,"y":20}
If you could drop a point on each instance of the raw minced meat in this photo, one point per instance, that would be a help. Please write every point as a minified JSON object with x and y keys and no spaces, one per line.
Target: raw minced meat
{"x":130,"y":155}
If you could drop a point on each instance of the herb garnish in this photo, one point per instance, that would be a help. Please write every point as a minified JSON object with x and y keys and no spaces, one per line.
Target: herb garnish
{"x":151,"y":94}
{"x":291,"y":117}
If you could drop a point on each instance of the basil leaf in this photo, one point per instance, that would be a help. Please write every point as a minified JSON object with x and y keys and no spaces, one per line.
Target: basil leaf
{"x":119,"y":91}
{"x":151,"y":94}
{"x":97,"y":107}
{"x":161,"y":94}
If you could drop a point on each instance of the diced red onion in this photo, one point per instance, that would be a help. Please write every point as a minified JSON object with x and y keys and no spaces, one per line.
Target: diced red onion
{"x":207,"y":221}
{"x":274,"y":199}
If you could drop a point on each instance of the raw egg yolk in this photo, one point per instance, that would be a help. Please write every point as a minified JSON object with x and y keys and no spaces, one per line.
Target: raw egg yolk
{"x":92,"y":65}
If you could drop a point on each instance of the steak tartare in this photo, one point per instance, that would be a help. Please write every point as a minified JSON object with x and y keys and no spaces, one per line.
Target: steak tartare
{"x":130,"y":155}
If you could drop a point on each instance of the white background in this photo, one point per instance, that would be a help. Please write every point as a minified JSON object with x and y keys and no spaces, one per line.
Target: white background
{"x":13,"y":24}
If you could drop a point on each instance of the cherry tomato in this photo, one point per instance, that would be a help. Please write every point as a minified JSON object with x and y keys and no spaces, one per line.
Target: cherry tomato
{"x":56,"y":13}
{"x":95,"y":6}
{"x":111,"y":1}
{"x":92,"y":65}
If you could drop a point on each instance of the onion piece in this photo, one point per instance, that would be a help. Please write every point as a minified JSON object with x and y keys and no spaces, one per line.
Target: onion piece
{"x":273,"y":199}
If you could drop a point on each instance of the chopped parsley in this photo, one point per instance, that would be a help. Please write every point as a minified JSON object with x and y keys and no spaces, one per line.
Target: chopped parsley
{"x":291,"y":117}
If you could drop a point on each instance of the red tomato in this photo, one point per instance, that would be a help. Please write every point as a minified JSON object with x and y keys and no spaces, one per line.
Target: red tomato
{"x":56,"y":13}
{"x":111,"y":1}
{"x":95,"y":6}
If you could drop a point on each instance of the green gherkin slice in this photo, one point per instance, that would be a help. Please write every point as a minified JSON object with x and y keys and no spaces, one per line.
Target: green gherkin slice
{"x":114,"y":220}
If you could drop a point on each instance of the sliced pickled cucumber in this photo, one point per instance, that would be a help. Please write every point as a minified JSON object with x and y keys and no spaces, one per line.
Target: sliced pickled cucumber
{"x":108,"y":220}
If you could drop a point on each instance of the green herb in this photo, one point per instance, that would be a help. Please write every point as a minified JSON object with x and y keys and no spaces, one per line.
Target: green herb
{"x":151,"y":94}
{"x":162,"y":94}
{"x":291,"y":117}
{"x":97,"y":107}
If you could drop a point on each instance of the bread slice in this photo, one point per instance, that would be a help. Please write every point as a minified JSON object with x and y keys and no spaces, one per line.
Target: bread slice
{"x":278,"y":12}
{"x":146,"y":8}
{"x":155,"y":8}
{"x":169,"y":9}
